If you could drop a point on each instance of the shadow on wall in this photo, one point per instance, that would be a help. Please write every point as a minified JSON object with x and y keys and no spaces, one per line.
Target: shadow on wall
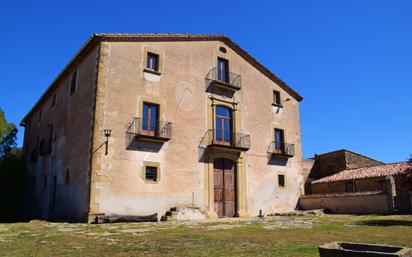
{"x":219,"y":91}
{"x":132,"y":143}
{"x":277,"y":161}
{"x":384,"y":223}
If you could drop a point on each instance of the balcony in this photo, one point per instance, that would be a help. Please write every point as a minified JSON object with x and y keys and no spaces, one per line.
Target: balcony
{"x":151,"y":130}
{"x":282,"y":149}
{"x":226,"y":139}
{"x":228,"y":80}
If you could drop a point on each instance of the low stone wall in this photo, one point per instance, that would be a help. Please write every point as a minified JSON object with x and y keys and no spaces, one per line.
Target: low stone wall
{"x":347,"y":203}
{"x":410,"y":198}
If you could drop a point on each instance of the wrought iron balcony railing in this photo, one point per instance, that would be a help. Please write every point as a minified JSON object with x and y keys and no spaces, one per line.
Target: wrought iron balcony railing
{"x":227,"y":79}
{"x":282,"y":149}
{"x":151,"y":129}
{"x":226,"y":139}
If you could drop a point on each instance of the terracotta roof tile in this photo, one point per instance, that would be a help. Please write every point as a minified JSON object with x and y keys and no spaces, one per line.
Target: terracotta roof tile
{"x":369,"y":172}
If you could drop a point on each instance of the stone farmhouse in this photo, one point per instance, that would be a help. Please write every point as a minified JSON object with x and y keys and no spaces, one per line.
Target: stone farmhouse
{"x":138,"y":123}
{"x":327,"y":164}
{"x":347,"y":182}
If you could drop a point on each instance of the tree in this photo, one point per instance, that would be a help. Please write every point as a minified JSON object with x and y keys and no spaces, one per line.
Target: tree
{"x":12,"y":173}
{"x":410,"y":158}
{"x":8,"y":135}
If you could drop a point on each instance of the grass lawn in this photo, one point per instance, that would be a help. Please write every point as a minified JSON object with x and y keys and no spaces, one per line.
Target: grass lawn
{"x":274,"y":236}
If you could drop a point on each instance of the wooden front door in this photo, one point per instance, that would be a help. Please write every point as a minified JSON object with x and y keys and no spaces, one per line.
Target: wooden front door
{"x":224,"y":187}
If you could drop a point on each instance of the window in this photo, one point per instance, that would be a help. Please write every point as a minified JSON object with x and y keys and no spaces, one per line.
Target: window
{"x":50,"y":140}
{"x":42,"y":149}
{"x":223,"y":124}
{"x":67,"y":177}
{"x":151,"y":173}
{"x":223,"y":70}
{"x":276,"y":98}
{"x":152,"y":62}
{"x":281,"y":180}
{"x":33,"y":156}
{"x":149,"y":119}
{"x":40,"y":115}
{"x":382,"y":185}
{"x":73,"y":83}
{"x":350,"y":187}
{"x":53,"y":100}
{"x":45,"y":181}
{"x":37,"y":144}
{"x":279,"y":137}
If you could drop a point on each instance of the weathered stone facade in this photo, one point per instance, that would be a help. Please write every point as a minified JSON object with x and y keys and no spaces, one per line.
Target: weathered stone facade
{"x":59,"y":178}
{"x":113,"y":85}
{"x":392,"y":181}
{"x":327,"y":164}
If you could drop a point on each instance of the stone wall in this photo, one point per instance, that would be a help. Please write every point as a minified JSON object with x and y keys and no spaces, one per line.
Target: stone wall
{"x":118,"y":186}
{"x":356,"y":203}
{"x":361,"y":185}
{"x":59,"y":180}
{"x":331,"y":163}
{"x":354,"y":160}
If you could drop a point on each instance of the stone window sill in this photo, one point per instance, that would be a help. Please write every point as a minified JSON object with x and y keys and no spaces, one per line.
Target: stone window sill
{"x":152,"y":72}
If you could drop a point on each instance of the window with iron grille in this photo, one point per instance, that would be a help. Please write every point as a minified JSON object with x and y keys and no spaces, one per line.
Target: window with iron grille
{"x":151,"y":173}
{"x":281,"y":180}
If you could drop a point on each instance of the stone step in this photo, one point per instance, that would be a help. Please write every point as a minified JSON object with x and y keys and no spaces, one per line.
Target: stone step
{"x":183,"y":213}
{"x":171,"y":213}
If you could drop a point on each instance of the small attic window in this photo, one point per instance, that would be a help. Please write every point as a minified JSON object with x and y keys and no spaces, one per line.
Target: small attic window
{"x":222,"y":49}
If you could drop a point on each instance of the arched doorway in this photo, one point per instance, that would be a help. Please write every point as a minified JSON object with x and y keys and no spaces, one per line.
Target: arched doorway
{"x":224,"y":187}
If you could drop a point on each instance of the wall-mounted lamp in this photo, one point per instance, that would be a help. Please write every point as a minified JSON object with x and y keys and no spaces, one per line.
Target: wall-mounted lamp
{"x":107,"y":134}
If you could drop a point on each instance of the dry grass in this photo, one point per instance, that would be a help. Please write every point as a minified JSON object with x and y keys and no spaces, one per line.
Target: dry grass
{"x":275,"y":236}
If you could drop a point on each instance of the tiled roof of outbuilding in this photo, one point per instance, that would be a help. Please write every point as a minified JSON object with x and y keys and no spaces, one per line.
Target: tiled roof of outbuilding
{"x":369,"y":172}
{"x":99,"y":37}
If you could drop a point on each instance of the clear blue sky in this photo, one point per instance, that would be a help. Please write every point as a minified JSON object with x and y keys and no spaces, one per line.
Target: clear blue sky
{"x":350,"y":59}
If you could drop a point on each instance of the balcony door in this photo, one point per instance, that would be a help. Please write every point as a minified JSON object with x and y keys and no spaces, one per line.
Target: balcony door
{"x":222,"y":70}
{"x":279,"y":140}
{"x":223,"y":125}
{"x":150,"y":119}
